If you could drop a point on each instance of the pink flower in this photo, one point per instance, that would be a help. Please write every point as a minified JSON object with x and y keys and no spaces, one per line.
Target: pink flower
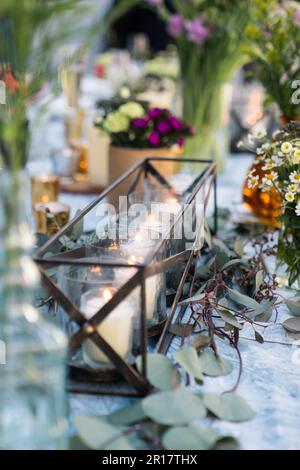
{"x":154,"y":138}
{"x":163,"y":127}
{"x":175,"y":123}
{"x":297,"y":17}
{"x":175,"y":25}
{"x":139,"y":123}
{"x":154,"y":113}
{"x":196,"y":30}
{"x":181,"y":141}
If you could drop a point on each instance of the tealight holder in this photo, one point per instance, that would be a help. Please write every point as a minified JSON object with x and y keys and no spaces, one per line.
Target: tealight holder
{"x":44,"y":188}
{"x":79,"y":245}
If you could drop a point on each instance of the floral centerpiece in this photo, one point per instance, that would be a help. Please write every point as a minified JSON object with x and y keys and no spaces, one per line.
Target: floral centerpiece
{"x":208,"y":36}
{"x":137,"y":132}
{"x":274,"y":44}
{"x":280,"y":158}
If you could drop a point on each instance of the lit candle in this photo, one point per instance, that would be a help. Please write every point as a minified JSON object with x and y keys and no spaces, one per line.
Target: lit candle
{"x":116,"y":329}
{"x":44,"y":188}
{"x":136,"y":251}
{"x":51,"y":217}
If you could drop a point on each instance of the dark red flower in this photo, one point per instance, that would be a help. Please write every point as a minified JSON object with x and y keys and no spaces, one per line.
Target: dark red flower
{"x":154,"y":113}
{"x":175,"y":123}
{"x":163,"y":127}
{"x":139,"y":123}
{"x":154,"y":138}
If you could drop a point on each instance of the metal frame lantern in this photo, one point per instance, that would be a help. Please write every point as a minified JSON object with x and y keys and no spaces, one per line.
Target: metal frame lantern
{"x":123,"y":378}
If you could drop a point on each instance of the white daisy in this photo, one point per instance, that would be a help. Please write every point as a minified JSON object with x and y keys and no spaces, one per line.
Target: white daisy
{"x":297,"y":210}
{"x":253,"y":181}
{"x":296,"y":157}
{"x":293,"y":188}
{"x":289,"y":197}
{"x":270,"y":178}
{"x":286,"y":147}
{"x":295,"y":177}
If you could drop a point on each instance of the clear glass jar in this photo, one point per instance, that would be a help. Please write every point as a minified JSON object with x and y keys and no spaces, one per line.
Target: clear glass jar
{"x":32,"y":381}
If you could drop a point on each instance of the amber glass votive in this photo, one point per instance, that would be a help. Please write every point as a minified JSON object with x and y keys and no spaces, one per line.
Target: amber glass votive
{"x":44,"y":188}
{"x":51,"y":217}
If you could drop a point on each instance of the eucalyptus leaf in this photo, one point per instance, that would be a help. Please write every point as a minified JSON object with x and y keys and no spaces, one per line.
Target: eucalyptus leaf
{"x":128,"y":415}
{"x":243,"y":299}
{"x":229,"y":318}
{"x":214,"y":366}
{"x":259,"y":279}
{"x":188,"y":359}
{"x":161,"y":372}
{"x":194,"y":299}
{"x":292,"y":325}
{"x":181,"y":329}
{"x":174,"y":407}
{"x":293,"y":305}
{"x":227,"y":443}
{"x":190,"y":438}
{"x":201,"y":341}
{"x":258,"y":337}
{"x":234,"y":262}
{"x":95,"y":432}
{"x":239,"y":247}
{"x":267,"y":313}
{"x":228,"y":407}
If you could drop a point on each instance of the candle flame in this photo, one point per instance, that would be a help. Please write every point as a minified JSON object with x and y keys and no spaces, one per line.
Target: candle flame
{"x":45,"y":198}
{"x":107,"y":295}
{"x":138,"y":237}
{"x":95,"y":269}
{"x":132,"y":260}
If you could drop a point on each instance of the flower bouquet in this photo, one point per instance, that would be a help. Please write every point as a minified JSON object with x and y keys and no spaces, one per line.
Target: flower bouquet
{"x":208,"y":36}
{"x":280,"y":160}
{"x":137,"y":132}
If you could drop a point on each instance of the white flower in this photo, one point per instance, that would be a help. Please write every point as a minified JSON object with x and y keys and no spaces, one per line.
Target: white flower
{"x":124,"y":92}
{"x":116,"y":122}
{"x":297,"y":210}
{"x":266,"y":146}
{"x":253,"y":181}
{"x":289,"y":197}
{"x":275,"y":134}
{"x":270,"y":164}
{"x":270,"y":178}
{"x":286,"y":147}
{"x":296,"y":157}
{"x":259,"y":151}
{"x":260,"y":134}
{"x":295,"y":177}
{"x":293,"y":188}
{"x":132,"y":109}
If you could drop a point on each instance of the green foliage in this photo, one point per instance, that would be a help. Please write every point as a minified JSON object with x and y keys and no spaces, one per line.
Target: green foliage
{"x":274,"y":43}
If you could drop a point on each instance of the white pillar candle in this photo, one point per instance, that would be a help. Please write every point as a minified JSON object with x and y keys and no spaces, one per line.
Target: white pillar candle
{"x":136,"y":251}
{"x":98,"y":149}
{"x":116,"y":329}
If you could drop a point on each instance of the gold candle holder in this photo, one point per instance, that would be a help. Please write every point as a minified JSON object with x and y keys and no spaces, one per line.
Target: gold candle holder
{"x":81,"y":147}
{"x":51,"y":217}
{"x":44,"y":188}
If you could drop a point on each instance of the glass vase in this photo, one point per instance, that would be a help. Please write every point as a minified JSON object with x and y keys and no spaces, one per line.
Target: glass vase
{"x":288,"y":255}
{"x":265,"y":205}
{"x":32,"y":381}
{"x":205,"y":106}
